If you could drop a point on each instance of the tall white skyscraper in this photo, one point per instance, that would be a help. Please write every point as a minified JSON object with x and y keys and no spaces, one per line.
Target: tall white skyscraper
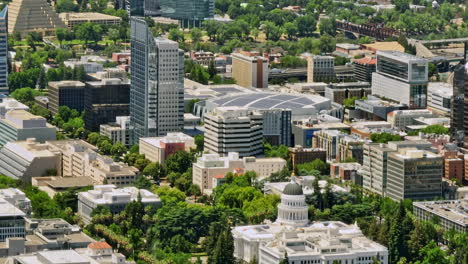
{"x":157,"y":77}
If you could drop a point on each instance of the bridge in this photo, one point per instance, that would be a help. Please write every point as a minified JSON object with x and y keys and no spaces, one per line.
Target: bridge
{"x":371,"y":30}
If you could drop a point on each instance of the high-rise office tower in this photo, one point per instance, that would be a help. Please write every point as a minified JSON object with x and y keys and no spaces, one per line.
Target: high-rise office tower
{"x":3,"y":51}
{"x":141,"y":7}
{"x":190,"y":13}
{"x":459,"y":130}
{"x":157,"y":91}
{"x":401,"y":77}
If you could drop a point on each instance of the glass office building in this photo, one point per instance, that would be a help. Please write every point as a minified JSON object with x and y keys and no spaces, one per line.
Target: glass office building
{"x":157,"y":91}
{"x":190,"y":13}
{"x":141,"y":7}
{"x":3,"y":51}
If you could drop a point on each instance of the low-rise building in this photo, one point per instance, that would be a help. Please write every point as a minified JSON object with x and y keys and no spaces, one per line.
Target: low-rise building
{"x":88,"y":66}
{"x":374,"y":108}
{"x":402,"y":118}
{"x":158,"y":149}
{"x":17,"y":198}
{"x":364,"y":67}
{"x":211,"y":166}
{"x":114,"y":199}
{"x":320,"y":68}
{"x":313,"y":88}
{"x":8,"y":104}
{"x":120,"y":131}
{"x":24,"y":160}
{"x":364,"y":129}
{"x":66,"y":93}
{"x":439,"y":97}
{"x":11,"y":221}
{"x":339,"y":145}
{"x":345,"y":171}
{"x":300,"y":155}
{"x":21,"y":125}
{"x":452,"y":214}
{"x":338,"y":92}
{"x":304,"y":133}
{"x":74,"y":19}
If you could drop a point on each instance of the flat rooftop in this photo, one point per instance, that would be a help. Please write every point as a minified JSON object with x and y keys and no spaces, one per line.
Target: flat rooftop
{"x":453,"y":210}
{"x":9,"y":210}
{"x":400,"y":56}
{"x":89,"y":16}
{"x":385,"y":45}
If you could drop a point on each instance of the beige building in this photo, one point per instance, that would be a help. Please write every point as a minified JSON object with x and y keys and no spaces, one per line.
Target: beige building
{"x":21,"y":125}
{"x":158,"y":149}
{"x":250,"y":70}
{"x":74,"y":19}
{"x":320,"y":68}
{"x":402,"y":118}
{"x":32,"y":16}
{"x":214,"y":166}
{"x":80,"y":159}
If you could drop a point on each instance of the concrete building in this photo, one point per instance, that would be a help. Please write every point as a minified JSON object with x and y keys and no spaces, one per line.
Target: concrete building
{"x":414,"y":174}
{"x":250,"y":70}
{"x":95,"y":253}
{"x":312,"y":88}
{"x":350,"y":147}
{"x":160,"y":148}
{"x":375,"y":163}
{"x":346,"y":171}
{"x":120,"y":131}
{"x":300,"y":155}
{"x":157,"y":90}
{"x":8,"y":104}
{"x":66,"y":93}
{"x":402,"y":118}
{"x":303,"y":242}
{"x":89,"y":67}
{"x":104,"y":101}
{"x":339,"y":145}
{"x":4,"y":51}
{"x":21,"y":125}
{"x":24,"y":160}
{"x":80,"y":159}
{"x":277,"y":128}
{"x":338,"y":92}
{"x":304,"y":132}
{"x":454,"y":163}
{"x":376,"y":109}
{"x":17,"y":198}
{"x":320,"y":68}
{"x":452,"y":214}
{"x":11,"y":221}
{"x":113,"y":198}
{"x":401,"y":77}
{"x":210,"y":166}
{"x":234,"y":129}
{"x":440,"y":97}
{"x":26,"y":16}
{"x":363,"y":68}
{"x":74,"y":19}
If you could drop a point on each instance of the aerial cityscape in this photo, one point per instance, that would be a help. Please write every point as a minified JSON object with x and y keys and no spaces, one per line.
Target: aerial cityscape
{"x":233,"y":132}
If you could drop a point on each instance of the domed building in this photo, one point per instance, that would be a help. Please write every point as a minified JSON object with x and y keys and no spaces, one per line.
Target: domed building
{"x":302,"y":241}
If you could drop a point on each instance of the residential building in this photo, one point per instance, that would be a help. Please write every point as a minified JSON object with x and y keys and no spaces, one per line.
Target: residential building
{"x":66,"y":93}
{"x":120,"y":131}
{"x":304,"y":242}
{"x":21,"y":125}
{"x":213,"y":166}
{"x":440,"y":97}
{"x":451,"y":214}
{"x":160,"y":148}
{"x":24,"y":160}
{"x":74,"y":19}
{"x":375,"y":162}
{"x":88,"y":66}
{"x":190,"y":13}
{"x":17,"y":198}
{"x":414,"y":174}
{"x":365,"y":129}
{"x":402,"y":118}
{"x":250,"y":70}
{"x":4,"y":51}
{"x":338,"y":92}
{"x":201,"y":57}
{"x":350,"y":147}
{"x":156,"y":92}
{"x":363,"y":68}
{"x":26,"y":16}
{"x":320,"y":68}
{"x":401,"y":77}
{"x":328,"y":140}
{"x":304,"y":132}
{"x":300,"y":155}
{"x":8,"y":104}
{"x":80,"y":159}
{"x":95,"y":253}
{"x":113,"y":198}
{"x":458,"y":128}
{"x":104,"y":101}
{"x":454,"y":164}
{"x":234,"y":129}
{"x":11,"y":221}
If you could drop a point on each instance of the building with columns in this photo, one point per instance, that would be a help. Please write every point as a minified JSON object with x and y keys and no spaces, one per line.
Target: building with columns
{"x":302,"y":241}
